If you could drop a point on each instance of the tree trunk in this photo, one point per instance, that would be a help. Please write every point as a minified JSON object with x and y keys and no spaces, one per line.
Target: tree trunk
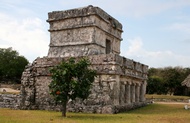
{"x":64,"y":108}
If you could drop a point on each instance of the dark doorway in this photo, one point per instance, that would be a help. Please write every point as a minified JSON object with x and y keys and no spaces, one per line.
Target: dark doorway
{"x":108,"y":46}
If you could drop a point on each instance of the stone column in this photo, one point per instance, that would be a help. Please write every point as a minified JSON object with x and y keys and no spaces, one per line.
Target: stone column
{"x":143,"y":91}
{"x":133,"y":92}
{"x":128,"y":92}
{"x":116,"y":90}
{"x":137,"y":92}
{"x":122,"y":93}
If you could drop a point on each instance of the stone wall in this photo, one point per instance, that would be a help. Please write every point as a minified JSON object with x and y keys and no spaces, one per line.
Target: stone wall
{"x":9,"y":101}
{"x":120,"y":83}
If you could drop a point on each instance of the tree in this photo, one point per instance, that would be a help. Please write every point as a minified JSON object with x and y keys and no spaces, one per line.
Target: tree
{"x":172,"y":78}
{"x":71,"y":79}
{"x":155,"y":85}
{"x":169,"y":82}
{"x":11,"y":65}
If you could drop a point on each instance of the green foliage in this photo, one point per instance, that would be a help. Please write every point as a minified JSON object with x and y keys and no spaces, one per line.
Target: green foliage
{"x":11,"y":65}
{"x":155,"y":85}
{"x":71,"y":79}
{"x":166,"y":80}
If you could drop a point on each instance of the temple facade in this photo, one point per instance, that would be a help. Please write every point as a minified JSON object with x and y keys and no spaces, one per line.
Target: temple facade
{"x":87,"y":32}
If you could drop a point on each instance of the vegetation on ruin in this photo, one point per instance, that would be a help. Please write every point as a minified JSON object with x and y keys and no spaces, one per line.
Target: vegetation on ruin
{"x":71,"y":79}
{"x":154,"y":113}
{"x":166,"y":80}
{"x":11,"y":65}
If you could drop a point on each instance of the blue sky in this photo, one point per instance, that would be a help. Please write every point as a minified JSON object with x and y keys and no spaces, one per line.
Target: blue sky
{"x":156,"y":32}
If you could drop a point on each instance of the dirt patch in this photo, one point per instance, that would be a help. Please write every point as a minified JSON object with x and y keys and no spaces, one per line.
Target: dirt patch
{"x":9,"y":90}
{"x":171,"y":103}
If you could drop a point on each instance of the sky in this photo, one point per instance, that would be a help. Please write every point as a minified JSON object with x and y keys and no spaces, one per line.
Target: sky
{"x":156,"y":32}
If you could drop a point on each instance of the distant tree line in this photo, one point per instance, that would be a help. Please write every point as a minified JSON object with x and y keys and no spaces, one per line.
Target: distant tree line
{"x":166,"y":80}
{"x":11,"y":65}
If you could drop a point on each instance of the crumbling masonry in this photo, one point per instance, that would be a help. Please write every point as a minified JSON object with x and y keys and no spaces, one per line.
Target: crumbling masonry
{"x":90,"y":32}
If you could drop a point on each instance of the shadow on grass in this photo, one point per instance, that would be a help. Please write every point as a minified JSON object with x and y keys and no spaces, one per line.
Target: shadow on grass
{"x":96,"y":117}
{"x":147,"y":110}
{"x":159,"y":109}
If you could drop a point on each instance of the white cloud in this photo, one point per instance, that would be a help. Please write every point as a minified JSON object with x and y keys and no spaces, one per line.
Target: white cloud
{"x":135,"y":46}
{"x":27,"y":36}
{"x":154,"y":58}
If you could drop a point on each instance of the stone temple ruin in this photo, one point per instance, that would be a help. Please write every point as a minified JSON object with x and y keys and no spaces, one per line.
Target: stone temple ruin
{"x":120,"y":84}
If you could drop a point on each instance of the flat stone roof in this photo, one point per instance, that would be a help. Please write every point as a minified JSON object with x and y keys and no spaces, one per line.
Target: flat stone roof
{"x":82,"y":12}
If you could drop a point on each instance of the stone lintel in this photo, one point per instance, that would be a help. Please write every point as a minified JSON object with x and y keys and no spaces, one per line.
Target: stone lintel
{"x":82,"y":12}
{"x":85,"y":26}
{"x":110,"y":64}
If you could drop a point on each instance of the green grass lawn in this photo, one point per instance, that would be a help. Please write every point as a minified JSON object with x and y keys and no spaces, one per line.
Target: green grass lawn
{"x":154,"y":113}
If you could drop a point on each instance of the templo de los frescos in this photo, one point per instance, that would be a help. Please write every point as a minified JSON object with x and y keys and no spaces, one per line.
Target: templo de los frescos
{"x":89,"y":31}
